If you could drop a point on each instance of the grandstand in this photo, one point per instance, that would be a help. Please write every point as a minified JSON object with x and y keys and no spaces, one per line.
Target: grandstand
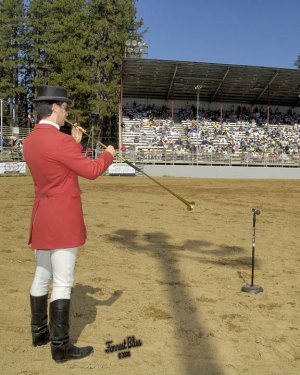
{"x":245,"y":115}
{"x":237,"y":143}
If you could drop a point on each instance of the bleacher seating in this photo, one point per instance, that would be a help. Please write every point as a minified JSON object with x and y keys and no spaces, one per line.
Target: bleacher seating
{"x":237,"y":141}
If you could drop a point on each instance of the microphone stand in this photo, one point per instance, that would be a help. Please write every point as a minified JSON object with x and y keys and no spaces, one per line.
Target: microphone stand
{"x":253,"y":288}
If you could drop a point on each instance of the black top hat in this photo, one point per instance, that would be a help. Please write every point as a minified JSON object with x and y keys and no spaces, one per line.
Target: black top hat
{"x":53,"y":94}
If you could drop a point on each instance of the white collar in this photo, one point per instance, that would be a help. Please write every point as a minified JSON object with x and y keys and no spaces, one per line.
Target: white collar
{"x":50,"y":123}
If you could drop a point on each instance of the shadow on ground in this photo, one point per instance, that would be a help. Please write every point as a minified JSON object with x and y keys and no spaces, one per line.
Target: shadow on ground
{"x":191,"y":332}
{"x":84,"y":307}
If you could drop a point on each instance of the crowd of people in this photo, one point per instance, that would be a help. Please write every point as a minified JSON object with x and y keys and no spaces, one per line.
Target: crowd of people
{"x":243,"y":137}
{"x":138,"y":111}
{"x":240,"y":132}
{"x":255,"y":133}
{"x":259,"y":115}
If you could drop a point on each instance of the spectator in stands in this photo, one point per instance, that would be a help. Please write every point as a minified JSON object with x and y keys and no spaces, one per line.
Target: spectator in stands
{"x":89,"y":152}
{"x":97,"y":151}
{"x":123,"y":149}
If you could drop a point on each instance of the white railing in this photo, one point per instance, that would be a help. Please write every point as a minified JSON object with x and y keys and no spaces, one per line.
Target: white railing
{"x":160,"y":156}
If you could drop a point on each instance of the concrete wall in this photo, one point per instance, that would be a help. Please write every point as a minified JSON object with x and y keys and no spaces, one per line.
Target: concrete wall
{"x":223,"y":172}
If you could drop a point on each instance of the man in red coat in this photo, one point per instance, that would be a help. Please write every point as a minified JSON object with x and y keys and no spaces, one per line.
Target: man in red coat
{"x":57,"y":228}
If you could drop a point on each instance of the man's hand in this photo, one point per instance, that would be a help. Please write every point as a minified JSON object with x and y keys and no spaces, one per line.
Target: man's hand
{"x":76,"y":134}
{"x":111,"y":150}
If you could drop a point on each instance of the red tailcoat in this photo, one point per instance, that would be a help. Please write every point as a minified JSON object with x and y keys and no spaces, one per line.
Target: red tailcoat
{"x":55,"y":162}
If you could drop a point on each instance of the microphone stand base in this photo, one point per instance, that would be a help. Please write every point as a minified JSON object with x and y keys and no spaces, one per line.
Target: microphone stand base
{"x":252,"y":289}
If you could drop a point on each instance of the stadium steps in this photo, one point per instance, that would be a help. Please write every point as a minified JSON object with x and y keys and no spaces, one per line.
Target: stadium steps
{"x":180,"y":128}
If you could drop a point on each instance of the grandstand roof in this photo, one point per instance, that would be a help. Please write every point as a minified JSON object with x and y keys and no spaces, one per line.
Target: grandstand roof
{"x":176,"y":80}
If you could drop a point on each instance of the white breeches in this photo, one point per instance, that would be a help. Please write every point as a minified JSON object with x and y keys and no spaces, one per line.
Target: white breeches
{"x":58,"y":265}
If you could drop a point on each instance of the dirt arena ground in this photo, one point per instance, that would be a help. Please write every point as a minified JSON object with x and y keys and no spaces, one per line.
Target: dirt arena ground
{"x":169,"y":277}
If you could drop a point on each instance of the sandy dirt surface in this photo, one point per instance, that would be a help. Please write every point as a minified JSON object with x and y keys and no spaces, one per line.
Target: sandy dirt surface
{"x":169,"y":277}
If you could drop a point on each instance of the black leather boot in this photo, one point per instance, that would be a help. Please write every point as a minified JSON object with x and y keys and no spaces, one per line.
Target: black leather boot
{"x":39,"y":320}
{"x":61,"y":348}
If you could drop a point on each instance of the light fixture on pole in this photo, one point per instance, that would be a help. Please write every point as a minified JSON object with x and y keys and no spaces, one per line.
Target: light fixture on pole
{"x":198,"y":88}
{"x":134,"y":48}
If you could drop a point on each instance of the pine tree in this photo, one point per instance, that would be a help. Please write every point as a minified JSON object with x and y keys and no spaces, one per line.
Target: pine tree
{"x":297,"y":62}
{"x":12,"y":86}
{"x":78,"y":44}
{"x":112,"y":23}
{"x":58,"y":44}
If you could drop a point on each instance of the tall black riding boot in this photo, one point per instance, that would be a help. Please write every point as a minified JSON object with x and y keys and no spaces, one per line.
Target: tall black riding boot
{"x":61,"y":348}
{"x":39,"y":320}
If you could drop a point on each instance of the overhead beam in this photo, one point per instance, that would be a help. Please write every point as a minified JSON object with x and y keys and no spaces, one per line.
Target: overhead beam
{"x":220,"y":84}
{"x":172,"y":80}
{"x":265,"y":88}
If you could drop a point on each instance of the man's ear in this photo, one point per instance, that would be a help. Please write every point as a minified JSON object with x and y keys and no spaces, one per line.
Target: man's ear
{"x":55,"y":108}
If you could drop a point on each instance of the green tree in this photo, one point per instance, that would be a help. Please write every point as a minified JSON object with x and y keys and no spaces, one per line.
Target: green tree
{"x":111,"y":24}
{"x":78,"y":44}
{"x":57,"y":54}
{"x":297,"y":62}
{"x":12,"y":65}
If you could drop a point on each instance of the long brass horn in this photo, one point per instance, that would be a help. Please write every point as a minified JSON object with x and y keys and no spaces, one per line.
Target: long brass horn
{"x":190,"y":205}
